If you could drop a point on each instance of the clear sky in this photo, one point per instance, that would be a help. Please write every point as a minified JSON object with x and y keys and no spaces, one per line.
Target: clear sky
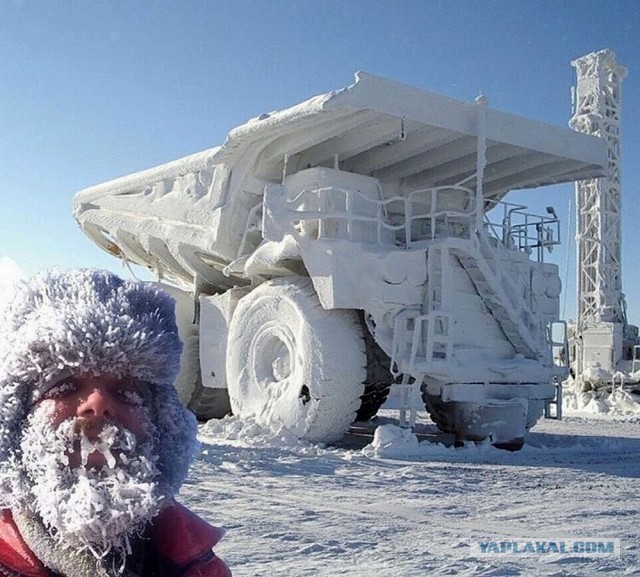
{"x":92,"y":90}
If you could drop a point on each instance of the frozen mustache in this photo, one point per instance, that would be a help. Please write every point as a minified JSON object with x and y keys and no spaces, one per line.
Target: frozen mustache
{"x":104,"y":438}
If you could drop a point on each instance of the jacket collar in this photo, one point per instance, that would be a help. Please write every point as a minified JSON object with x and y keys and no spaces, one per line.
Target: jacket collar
{"x":14,"y":552}
{"x":171,"y":528}
{"x":173,"y":521}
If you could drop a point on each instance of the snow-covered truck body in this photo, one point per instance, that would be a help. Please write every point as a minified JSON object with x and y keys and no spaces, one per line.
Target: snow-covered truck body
{"x":357,"y":239}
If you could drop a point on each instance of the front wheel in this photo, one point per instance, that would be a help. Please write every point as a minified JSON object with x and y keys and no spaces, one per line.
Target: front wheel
{"x":292,"y":364}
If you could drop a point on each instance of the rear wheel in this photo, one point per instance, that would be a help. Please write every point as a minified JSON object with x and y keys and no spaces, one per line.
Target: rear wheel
{"x":204,"y":402}
{"x":503,"y":422}
{"x":442,"y":414}
{"x":189,"y":375}
{"x":209,"y":403}
{"x":292,"y":364}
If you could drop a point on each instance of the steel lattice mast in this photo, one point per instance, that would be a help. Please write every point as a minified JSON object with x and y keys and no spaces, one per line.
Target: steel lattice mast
{"x":601,"y":312}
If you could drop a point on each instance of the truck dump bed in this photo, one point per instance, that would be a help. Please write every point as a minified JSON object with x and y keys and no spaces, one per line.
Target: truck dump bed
{"x":189,"y":219}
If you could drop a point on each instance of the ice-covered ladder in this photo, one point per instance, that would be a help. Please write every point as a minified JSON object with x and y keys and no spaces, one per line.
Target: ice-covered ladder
{"x":559,"y":340}
{"x":422,"y":340}
{"x":555,"y":402}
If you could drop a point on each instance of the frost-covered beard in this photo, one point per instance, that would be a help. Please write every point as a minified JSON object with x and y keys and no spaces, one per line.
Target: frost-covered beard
{"x":83,"y":507}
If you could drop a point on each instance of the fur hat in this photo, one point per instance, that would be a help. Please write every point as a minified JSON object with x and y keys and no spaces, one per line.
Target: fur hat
{"x":60,"y":324}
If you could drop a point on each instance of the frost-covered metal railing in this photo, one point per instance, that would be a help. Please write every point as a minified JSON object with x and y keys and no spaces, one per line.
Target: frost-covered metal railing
{"x":517,"y":229}
{"x":422,"y":215}
{"x":440,"y":222}
{"x":522,"y":230}
{"x":420,"y":339}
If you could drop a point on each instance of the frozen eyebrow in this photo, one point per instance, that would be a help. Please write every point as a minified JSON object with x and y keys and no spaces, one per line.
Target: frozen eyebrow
{"x":135,"y":392}
{"x":133,"y":396}
{"x":58,"y":389}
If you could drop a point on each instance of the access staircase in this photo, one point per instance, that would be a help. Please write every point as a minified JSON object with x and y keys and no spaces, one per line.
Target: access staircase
{"x":503,"y":294}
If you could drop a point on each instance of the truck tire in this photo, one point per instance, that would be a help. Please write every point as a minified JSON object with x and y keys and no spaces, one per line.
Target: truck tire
{"x":378,"y":381}
{"x":204,"y":402}
{"x":209,"y":403}
{"x":189,"y":375}
{"x":293,"y":365}
{"x":374,"y":396}
{"x":442,"y":414}
{"x":455,"y":418}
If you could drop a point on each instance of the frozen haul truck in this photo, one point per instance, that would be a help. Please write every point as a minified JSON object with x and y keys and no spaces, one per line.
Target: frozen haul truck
{"x":357,"y":240}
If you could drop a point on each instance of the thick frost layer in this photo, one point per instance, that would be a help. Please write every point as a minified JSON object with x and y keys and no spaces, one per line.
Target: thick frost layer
{"x":84,"y":507}
{"x":89,"y":321}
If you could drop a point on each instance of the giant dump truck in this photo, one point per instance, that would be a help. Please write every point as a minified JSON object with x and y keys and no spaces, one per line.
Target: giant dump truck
{"x":355,"y":241}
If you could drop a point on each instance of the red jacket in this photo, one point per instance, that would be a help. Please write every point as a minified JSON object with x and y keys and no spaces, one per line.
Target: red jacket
{"x":178,"y":535}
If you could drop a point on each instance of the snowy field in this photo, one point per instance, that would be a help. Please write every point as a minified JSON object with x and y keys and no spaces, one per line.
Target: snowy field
{"x":383,"y":504}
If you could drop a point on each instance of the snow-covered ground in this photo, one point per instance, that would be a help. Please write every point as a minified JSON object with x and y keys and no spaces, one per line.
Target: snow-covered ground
{"x":384,"y":504}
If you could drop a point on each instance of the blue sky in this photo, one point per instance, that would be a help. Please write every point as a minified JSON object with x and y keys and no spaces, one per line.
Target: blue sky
{"x":92,"y":90}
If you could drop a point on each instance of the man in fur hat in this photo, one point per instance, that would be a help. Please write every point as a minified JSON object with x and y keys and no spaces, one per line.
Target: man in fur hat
{"x":93,"y":441}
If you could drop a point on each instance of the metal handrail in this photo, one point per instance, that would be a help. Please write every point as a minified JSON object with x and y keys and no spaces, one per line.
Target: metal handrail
{"x":351,"y":214}
{"x":523,"y":230}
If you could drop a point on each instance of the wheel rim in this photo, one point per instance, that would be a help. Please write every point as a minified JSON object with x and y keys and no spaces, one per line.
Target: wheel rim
{"x":272,"y":356}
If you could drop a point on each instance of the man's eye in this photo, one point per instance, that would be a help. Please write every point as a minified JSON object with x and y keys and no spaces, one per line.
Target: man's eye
{"x":131,"y":397}
{"x":60,"y":390}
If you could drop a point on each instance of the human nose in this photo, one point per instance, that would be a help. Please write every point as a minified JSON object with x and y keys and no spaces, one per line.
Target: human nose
{"x":98,"y":403}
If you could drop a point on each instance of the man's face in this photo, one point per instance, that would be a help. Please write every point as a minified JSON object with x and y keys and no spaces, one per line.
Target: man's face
{"x":89,"y":458}
{"x":96,"y":401}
